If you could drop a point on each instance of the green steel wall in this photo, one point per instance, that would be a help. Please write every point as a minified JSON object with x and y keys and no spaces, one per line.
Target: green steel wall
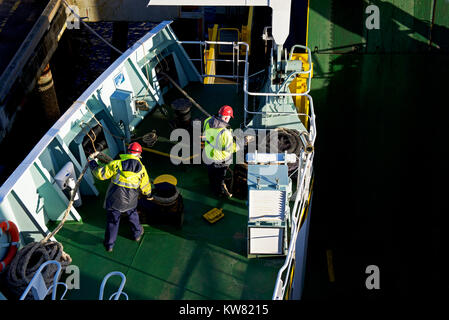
{"x":380,"y":99}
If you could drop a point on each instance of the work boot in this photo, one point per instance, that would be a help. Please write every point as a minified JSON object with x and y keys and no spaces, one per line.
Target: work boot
{"x":140,"y":235}
{"x":225,"y":192}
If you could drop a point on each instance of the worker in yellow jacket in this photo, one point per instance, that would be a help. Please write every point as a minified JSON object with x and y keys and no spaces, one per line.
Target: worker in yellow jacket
{"x":218,"y":147}
{"x":129,"y":178}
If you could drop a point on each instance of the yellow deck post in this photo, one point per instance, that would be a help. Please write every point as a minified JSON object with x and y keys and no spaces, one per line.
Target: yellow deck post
{"x":299,"y":85}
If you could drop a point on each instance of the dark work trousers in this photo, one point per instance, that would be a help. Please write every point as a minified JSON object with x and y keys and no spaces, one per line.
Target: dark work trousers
{"x":113,"y":221}
{"x":217,"y":173}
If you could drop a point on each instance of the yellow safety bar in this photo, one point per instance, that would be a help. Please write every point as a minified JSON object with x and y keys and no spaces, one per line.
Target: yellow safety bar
{"x":209,"y":56}
{"x":299,"y":85}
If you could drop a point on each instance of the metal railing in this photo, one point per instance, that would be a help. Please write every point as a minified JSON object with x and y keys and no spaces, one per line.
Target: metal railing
{"x":305,"y":167}
{"x":235,"y":57}
{"x":116,"y":295}
{"x":302,"y":192}
{"x":298,"y":216}
{"x":236,"y":60}
{"x":283,"y":94}
{"x":37,"y":283}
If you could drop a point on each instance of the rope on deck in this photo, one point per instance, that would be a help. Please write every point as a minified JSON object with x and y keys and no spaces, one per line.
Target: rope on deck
{"x":33,"y":255}
{"x":29,"y":259}
{"x":285,"y":140}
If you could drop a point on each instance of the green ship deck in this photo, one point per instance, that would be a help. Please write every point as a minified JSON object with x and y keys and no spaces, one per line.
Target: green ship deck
{"x":199,"y":260}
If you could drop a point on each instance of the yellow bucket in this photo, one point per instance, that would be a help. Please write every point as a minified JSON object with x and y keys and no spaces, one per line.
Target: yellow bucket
{"x":166,"y":178}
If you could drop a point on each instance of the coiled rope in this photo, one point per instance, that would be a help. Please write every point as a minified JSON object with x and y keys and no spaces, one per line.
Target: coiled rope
{"x":28,"y":259}
{"x":148,"y":139}
{"x":285,"y":140}
{"x":26,"y":262}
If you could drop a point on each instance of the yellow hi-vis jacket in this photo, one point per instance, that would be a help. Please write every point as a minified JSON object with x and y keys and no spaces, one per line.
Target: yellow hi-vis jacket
{"x":128,"y":178}
{"x":219,"y":143}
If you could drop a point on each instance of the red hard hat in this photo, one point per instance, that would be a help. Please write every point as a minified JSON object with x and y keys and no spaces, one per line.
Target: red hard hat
{"x":226,"y":111}
{"x":135,"y":147}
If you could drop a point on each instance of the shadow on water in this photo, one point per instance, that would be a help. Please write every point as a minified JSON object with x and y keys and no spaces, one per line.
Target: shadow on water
{"x":377,"y":199}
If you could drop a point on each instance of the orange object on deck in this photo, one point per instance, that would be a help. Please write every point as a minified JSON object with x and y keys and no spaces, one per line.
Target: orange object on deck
{"x":11,"y":228}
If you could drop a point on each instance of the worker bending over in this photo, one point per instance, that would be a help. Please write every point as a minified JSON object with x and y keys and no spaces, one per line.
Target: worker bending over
{"x":218,"y":147}
{"x":128,"y":178}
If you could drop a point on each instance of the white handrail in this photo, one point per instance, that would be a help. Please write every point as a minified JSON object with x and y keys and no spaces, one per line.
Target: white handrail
{"x":233,"y":43}
{"x":308,"y":72}
{"x":279,"y":289}
{"x":300,"y":201}
{"x":55,"y":280}
{"x":119,"y":292}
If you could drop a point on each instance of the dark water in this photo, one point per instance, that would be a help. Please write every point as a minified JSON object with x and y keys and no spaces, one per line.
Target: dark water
{"x":83,"y":57}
